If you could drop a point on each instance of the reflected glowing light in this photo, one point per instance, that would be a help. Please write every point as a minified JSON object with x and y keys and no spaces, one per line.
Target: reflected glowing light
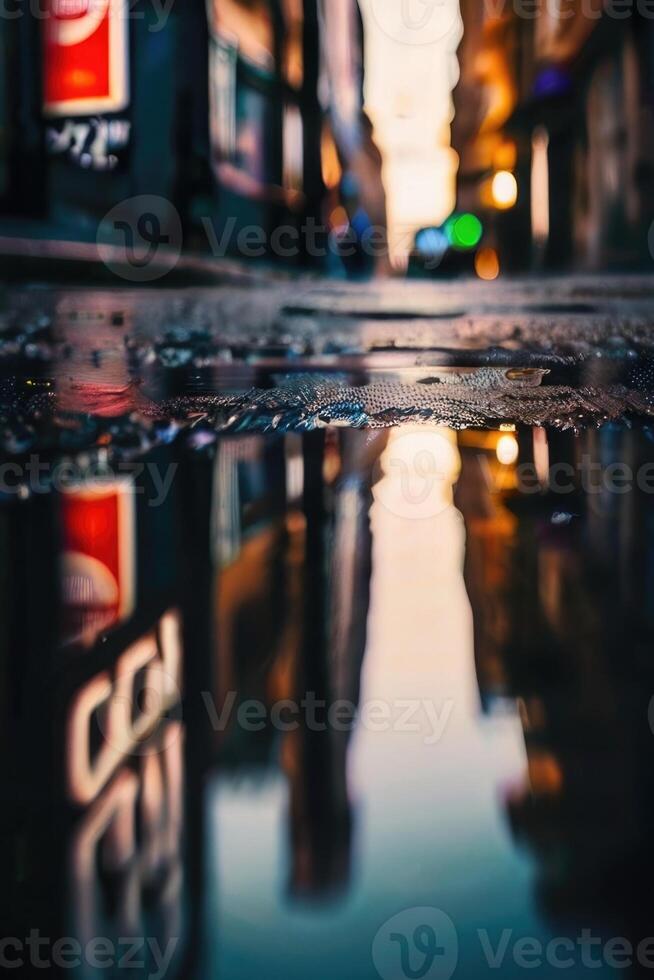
{"x":541,"y":456}
{"x":487,"y":264}
{"x":504,"y":190}
{"x":507,"y":450}
{"x":420,"y":466}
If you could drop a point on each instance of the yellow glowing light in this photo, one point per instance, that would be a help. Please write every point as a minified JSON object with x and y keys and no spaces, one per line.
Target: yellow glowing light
{"x":487,"y":264}
{"x":507,"y":450}
{"x":504,"y":189}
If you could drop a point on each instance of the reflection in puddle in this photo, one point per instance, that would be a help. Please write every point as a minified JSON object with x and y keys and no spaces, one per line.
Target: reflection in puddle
{"x":350,"y":676}
{"x":421,"y":775}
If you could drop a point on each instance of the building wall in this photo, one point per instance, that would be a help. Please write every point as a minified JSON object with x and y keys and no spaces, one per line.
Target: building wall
{"x":564,"y":102}
{"x":239,"y":114}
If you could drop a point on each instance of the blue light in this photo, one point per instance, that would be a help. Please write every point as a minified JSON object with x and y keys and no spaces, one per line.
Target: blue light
{"x":432,"y":243}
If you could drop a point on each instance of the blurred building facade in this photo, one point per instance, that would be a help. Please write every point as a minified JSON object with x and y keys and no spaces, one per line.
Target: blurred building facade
{"x":239,"y":114}
{"x":553,"y":128}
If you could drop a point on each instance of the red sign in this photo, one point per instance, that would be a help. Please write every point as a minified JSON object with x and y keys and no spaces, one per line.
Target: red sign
{"x":98,"y":554}
{"x":85,"y":57}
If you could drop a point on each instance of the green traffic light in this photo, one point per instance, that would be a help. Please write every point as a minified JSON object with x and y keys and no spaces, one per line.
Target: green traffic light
{"x":464,"y":231}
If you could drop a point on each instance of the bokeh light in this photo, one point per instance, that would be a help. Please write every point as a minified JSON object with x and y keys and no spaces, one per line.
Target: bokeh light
{"x":463,"y":231}
{"x":504,"y":189}
{"x":487,"y":264}
{"x":507,"y":450}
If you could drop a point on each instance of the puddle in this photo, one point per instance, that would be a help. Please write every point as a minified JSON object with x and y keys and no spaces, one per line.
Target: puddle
{"x":313,"y":653}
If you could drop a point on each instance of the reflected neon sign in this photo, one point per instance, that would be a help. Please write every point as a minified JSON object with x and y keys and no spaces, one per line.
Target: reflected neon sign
{"x":129,"y":712}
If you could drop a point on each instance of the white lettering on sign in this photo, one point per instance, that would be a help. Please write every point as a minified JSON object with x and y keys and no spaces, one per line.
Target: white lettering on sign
{"x":105,"y":841}
{"x":127,"y":711}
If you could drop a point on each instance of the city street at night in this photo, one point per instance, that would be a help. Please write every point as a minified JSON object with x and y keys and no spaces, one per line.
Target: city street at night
{"x":326,"y":489}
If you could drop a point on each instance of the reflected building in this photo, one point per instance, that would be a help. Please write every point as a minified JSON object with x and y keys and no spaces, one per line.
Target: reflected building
{"x":558,"y":578}
{"x":93,"y":672}
{"x":288,"y":614}
{"x":93,"y":810}
{"x":411,"y":569}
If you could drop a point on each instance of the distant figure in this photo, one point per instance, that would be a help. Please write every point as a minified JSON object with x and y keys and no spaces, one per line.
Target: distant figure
{"x":342,"y":95}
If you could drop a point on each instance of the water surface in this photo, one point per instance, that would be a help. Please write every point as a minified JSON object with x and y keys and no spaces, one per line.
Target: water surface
{"x":321,"y":661}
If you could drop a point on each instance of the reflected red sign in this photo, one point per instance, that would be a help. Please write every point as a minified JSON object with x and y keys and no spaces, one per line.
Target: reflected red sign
{"x":85,"y":57}
{"x":99,"y":554}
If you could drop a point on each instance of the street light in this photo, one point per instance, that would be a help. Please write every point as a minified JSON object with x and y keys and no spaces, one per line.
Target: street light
{"x":504,"y":190}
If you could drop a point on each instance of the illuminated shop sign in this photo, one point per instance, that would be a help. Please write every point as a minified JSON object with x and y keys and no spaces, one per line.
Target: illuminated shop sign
{"x":85,"y":57}
{"x":97,"y":144}
{"x":108,"y":721}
